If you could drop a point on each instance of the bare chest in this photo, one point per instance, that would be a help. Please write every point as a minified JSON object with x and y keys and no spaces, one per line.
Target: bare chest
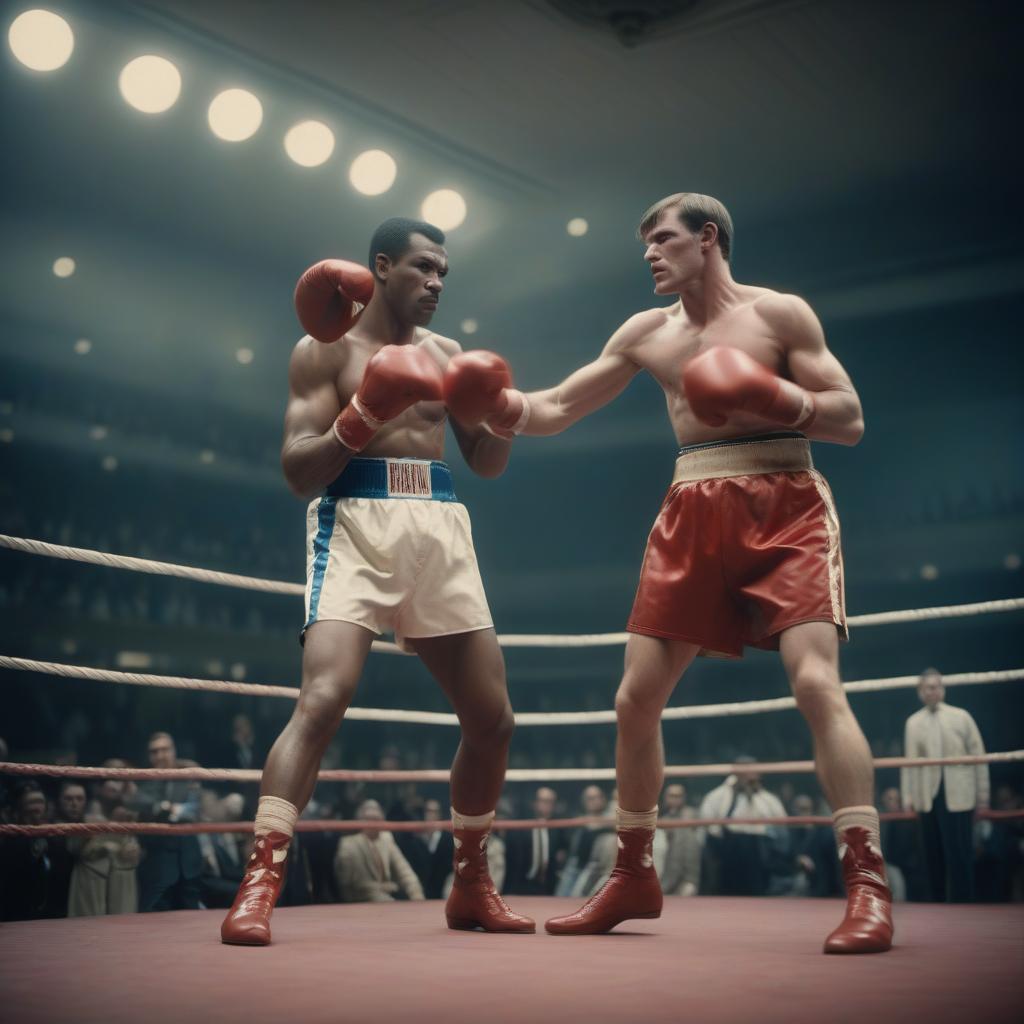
{"x":349,"y":375}
{"x":667,"y":349}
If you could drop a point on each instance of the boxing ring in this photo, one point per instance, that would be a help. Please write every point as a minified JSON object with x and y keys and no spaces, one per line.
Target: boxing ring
{"x":707,"y":959}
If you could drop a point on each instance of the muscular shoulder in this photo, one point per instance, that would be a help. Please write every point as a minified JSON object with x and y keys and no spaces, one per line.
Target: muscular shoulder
{"x":448,"y":346}
{"x":312,"y":362}
{"x":638,"y":328}
{"x":789,"y":316}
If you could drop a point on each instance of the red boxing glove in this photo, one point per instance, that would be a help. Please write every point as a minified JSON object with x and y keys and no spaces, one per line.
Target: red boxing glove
{"x":330,"y":296}
{"x":725,"y":380}
{"x":477,"y":389}
{"x":396,"y":377}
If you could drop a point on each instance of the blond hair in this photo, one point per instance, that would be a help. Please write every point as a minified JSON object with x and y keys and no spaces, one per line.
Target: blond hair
{"x":694,"y":210}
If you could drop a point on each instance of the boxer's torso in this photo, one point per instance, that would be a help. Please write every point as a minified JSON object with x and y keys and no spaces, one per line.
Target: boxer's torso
{"x":668,"y":340}
{"x":417,"y":433}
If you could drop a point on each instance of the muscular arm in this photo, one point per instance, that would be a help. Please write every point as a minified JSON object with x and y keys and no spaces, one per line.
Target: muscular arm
{"x":311,"y":454}
{"x":814,"y":368}
{"x":589,"y":388}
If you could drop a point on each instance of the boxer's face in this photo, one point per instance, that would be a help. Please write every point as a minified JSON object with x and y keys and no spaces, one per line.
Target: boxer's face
{"x":415,"y":280}
{"x":673,"y":253}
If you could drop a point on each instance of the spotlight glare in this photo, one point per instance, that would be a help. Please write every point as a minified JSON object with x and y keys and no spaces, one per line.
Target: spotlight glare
{"x":83,"y":346}
{"x":1012,"y":562}
{"x":6,"y":435}
{"x":109,"y":463}
{"x":98,"y":432}
{"x":235,"y":115}
{"x":245,"y":356}
{"x":309,"y":143}
{"x":373,"y":172}
{"x":929,"y":572}
{"x":577,"y":227}
{"x":41,"y":40}
{"x":206,"y":456}
{"x":150,"y":84}
{"x":63,"y":266}
{"x":445,"y":208}
{"x":469,"y":326}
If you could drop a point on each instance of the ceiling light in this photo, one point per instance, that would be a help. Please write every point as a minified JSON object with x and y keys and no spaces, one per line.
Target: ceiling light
{"x":41,"y":40}
{"x":373,"y":172}
{"x":235,"y":115}
{"x":445,"y":208}
{"x":150,"y":84}
{"x":309,"y":143}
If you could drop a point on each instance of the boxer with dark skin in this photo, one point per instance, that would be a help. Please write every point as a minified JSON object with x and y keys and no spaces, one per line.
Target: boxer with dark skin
{"x":371,"y":389}
{"x":746,"y":547}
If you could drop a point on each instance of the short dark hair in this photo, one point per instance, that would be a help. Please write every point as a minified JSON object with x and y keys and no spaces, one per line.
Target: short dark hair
{"x":392,"y":238}
{"x":694,"y":210}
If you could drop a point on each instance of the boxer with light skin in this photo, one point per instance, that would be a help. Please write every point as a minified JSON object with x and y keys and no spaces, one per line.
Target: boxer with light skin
{"x":745,"y":550}
{"x":389,"y":549}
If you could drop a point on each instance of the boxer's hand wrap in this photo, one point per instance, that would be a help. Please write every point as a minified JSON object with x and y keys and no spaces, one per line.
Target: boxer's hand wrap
{"x":518,"y":406}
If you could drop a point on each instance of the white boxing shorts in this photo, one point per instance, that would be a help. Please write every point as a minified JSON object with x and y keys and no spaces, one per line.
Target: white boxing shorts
{"x":389,"y":547}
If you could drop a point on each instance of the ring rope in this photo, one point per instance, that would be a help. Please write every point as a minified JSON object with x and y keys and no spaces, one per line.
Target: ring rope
{"x":395,"y":715}
{"x":87,"y":555}
{"x":156,"y":828}
{"x":198,"y":773}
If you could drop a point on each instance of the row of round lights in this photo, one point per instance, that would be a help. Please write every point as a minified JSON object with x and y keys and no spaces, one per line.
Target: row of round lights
{"x":43,"y":41}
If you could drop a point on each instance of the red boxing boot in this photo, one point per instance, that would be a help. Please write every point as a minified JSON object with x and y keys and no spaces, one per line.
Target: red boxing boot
{"x":474,"y":902}
{"x":867,"y":926}
{"x":248,"y":920}
{"x":632,"y":891}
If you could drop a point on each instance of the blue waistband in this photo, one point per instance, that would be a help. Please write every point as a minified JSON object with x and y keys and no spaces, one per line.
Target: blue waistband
{"x":368,"y":478}
{"x":779,"y":435}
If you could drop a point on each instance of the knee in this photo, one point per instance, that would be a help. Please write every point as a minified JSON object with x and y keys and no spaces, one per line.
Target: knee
{"x":819,"y":694}
{"x":320,"y":709}
{"x":493,"y":731}
{"x":637,"y":709}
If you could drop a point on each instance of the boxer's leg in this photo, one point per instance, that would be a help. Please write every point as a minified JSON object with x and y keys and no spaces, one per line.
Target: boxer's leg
{"x":332,"y":661}
{"x":653,"y":667}
{"x":470,"y":669}
{"x":810,"y":653}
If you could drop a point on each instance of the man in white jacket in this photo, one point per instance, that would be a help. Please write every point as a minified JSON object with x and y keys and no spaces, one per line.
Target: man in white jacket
{"x":945,"y":796}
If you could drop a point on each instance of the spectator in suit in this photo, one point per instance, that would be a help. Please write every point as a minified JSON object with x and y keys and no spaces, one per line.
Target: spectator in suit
{"x":808,"y":866}
{"x":739,"y":859}
{"x":369,"y":865}
{"x":901,"y":841}
{"x":172,"y":865}
{"x":945,"y":796}
{"x":681,"y":874}
{"x":534,"y":857}
{"x":31,"y":883}
{"x":223,"y":864}
{"x":103,"y":877}
{"x":438,"y":849}
{"x":594,"y":804}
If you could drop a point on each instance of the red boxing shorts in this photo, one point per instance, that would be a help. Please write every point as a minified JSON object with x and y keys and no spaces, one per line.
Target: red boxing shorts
{"x":746,"y":545}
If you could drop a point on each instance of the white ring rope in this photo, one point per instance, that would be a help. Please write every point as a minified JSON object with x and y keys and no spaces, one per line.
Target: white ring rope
{"x":679,"y":771}
{"x":38,"y":547}
{"x":748,"y":707}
